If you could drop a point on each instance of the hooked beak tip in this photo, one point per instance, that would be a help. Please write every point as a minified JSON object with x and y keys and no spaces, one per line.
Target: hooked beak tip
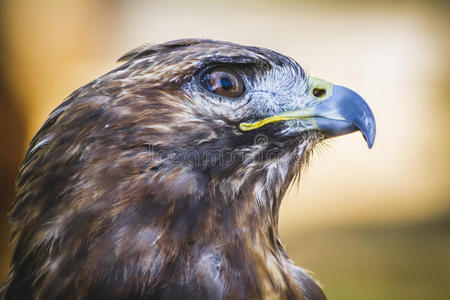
{"x":346,"y":112}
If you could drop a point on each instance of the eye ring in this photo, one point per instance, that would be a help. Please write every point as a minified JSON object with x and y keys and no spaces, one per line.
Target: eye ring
{"x":223,"y":81}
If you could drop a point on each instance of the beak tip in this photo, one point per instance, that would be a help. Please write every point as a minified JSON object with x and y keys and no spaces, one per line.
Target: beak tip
{"x":369,"y":137}
{"x":370,"y":131}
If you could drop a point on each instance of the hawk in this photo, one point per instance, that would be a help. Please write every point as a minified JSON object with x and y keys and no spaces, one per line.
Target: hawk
{"x":163,"y":178}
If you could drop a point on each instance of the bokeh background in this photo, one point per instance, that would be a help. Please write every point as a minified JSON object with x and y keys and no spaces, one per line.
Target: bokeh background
{"x":370,"y":224}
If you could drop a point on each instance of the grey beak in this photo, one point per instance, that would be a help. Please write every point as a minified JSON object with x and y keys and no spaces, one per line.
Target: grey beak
{"x":345,"y":112}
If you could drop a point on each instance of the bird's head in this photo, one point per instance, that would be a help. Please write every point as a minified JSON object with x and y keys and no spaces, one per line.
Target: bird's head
{"x":233,"y":111}
{"x":188,"y":119}
{"x":189,"y":144}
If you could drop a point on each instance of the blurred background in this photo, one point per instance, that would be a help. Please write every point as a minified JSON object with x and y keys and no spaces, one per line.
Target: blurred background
{"x":370,"y":224}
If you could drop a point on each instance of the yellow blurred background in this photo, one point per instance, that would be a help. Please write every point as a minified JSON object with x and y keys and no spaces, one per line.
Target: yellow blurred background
{"x":371,"y":224}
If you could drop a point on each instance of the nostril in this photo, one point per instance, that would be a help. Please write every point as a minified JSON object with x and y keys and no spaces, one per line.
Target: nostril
{"x":318,"y":92}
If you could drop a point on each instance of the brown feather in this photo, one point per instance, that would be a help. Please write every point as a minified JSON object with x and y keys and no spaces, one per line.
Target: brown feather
{"x":110,"y":206}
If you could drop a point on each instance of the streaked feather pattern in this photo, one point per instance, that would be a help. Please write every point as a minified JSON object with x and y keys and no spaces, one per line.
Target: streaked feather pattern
{"x":110,"y":206}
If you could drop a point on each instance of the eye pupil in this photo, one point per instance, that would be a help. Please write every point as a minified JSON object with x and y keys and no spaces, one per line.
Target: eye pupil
{"x":226,"y":83}
{"x":223,"y":81}
{"x":318,"y":92}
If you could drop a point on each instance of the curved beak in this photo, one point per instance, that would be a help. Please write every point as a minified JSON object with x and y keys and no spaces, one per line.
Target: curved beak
{"x":342,"y":111}
{"x":345,"y":112}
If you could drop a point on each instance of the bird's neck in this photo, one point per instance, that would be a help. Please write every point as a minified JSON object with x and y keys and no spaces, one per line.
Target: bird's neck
{"x":237,"y":233}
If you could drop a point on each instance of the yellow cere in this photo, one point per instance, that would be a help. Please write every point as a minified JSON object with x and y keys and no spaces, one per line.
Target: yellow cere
{"x":313,"y":83}
{"x":317,"y":83}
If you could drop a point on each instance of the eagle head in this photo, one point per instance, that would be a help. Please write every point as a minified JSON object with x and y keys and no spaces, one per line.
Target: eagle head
{"x":163,"y":178}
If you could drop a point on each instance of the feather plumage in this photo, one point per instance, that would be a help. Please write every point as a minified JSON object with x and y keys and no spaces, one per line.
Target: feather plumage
{"x":141,"y":186}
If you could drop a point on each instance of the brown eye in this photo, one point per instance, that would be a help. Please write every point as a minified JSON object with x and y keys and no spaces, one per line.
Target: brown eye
{"x":224,"y":81}
{"x":318,"y":92}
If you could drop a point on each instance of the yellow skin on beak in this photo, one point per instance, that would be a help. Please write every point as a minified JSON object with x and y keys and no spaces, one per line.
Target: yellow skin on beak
{"x":314,"y":84}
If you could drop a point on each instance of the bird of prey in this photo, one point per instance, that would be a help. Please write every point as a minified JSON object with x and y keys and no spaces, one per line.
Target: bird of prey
{"x":163,"y":178}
